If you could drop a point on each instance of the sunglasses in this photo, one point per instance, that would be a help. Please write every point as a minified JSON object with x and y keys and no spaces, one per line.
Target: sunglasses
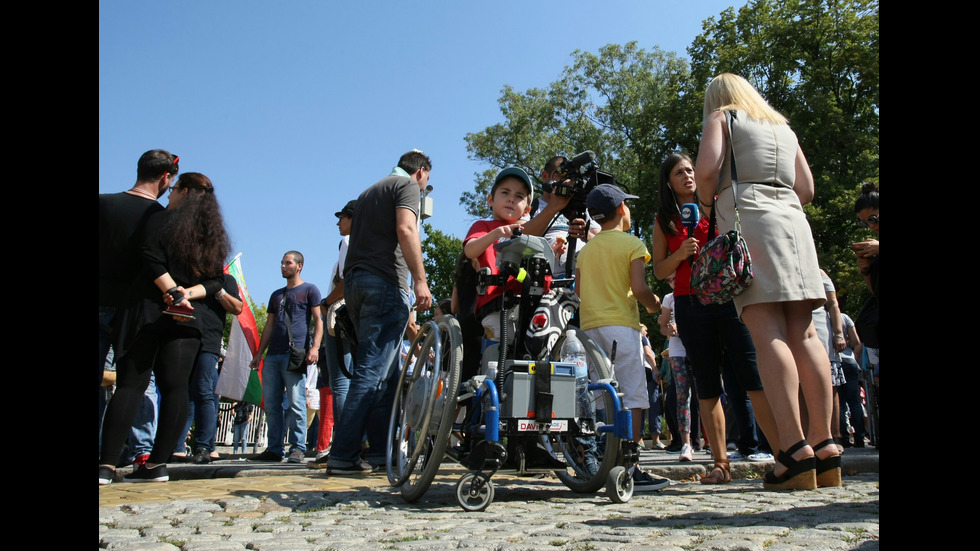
{"x":873,"y":219}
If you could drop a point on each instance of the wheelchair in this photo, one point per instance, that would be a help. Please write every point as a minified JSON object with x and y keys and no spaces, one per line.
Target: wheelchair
{"x":524,"y":414}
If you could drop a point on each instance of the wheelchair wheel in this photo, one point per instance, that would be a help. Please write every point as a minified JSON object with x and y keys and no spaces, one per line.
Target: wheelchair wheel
{"x":474,"y":492}
{"x":424,"y":408}
{"x":590,"y":458}
{"x":619,"y":485}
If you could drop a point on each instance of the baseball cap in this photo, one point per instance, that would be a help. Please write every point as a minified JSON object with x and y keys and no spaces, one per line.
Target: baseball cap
{"x":513,"y":171}
{"x":348,"y":209}
{"x":604,"y":199}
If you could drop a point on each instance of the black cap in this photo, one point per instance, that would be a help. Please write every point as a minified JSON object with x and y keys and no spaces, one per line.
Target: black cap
{"x":348,"y":209}
{"x":604,"y":199}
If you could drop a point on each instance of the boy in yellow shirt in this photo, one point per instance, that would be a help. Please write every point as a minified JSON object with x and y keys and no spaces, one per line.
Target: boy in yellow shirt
{"x":610,"y":279}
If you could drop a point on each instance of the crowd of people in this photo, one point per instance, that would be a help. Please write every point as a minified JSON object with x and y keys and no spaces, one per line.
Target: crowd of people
{"x":772,"y":370}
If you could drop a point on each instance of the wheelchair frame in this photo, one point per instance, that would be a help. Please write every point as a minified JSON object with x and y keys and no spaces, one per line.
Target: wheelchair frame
{"x":429,"y":395}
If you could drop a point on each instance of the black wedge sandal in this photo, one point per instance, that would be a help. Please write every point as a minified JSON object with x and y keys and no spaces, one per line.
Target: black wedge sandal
{"x":828,"y":470}
{"x":800,"y":473}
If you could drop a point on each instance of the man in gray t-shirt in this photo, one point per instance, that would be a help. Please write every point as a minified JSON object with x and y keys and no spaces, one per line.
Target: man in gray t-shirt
{"x":384,"y":249}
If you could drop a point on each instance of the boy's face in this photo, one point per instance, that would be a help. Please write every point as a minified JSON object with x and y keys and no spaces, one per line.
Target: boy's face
{"x":509,"y":202}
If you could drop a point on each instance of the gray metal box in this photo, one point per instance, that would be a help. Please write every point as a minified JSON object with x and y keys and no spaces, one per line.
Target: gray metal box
{"x":519,"y":388}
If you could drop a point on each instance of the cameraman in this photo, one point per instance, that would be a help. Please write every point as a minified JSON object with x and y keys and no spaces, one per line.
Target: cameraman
{"x":559,"y":232}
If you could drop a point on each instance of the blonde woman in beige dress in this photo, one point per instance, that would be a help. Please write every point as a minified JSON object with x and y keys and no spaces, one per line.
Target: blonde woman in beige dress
{"x":774,"y":181}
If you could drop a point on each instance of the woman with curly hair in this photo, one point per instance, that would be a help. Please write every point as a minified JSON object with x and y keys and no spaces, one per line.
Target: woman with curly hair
{"x":182,"y":258}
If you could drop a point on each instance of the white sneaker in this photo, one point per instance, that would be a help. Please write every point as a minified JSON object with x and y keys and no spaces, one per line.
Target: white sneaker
{"x":687,"y":454}
{"x":761,"y":457}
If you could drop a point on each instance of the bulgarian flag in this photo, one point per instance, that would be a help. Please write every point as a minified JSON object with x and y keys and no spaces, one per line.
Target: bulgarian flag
{"x":237,"y":380}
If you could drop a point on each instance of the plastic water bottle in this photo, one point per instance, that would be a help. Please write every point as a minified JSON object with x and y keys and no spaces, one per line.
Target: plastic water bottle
{"x":573,"y":351}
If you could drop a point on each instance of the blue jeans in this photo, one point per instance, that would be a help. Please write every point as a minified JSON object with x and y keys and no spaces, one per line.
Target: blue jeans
{"x":379,"y":310}
{"x":240,"y":438}
{"x":203,"y":411}
{"x":653,"y":414}
{"x":144,"y":429}
{"x":275,"y":378}
{"x":106,"y":315}
{"x":339,"y":383}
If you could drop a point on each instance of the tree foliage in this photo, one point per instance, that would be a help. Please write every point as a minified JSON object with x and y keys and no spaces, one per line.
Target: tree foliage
{"x":816,"y":61}
{"x":439,"y":251}
{"x":621,"y":103}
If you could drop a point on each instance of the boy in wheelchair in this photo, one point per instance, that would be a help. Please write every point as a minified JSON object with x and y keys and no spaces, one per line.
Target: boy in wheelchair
{"x":510,"y":200}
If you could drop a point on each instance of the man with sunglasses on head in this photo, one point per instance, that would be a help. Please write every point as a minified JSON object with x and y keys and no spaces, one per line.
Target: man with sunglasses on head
{"x":122,"y":217}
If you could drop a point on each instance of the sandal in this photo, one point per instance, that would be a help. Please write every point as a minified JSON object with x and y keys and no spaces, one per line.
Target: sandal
{"x":721,"y":473}
{"x":828,"y":470}
{"x":800,"y":473}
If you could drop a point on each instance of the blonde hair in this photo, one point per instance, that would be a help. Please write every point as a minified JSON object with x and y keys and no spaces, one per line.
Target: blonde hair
{"x":728,"y":91}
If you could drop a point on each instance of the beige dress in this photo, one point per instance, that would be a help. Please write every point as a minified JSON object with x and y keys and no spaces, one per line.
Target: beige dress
{"x":784,"y":258}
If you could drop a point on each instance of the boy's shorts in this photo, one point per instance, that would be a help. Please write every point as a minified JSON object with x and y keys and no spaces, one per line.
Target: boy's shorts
{"x":629,"y":370}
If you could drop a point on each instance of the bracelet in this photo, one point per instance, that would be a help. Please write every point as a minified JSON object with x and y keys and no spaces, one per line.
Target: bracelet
{"x":220,"y":295}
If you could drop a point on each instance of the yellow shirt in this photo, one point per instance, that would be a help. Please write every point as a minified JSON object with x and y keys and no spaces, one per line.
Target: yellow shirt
{"x":604,"y":268}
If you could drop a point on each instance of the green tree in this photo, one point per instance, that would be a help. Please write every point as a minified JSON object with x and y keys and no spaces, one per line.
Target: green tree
{"x":622,"y":103}
{"x":260,"y":312}
{"x":439,"y":253}
{"x":816,"y":61}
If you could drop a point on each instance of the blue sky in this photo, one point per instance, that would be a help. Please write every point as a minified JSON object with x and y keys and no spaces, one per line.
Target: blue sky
{"x":293,"y":108}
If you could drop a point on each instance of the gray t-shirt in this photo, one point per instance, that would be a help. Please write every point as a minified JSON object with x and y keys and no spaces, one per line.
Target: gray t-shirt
{"x":373,"y":242}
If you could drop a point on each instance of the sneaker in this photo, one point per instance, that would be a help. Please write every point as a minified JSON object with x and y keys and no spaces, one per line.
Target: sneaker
{"x":339,"y":466}
{"x":267,"y":456}
{"x":106,"y":475}
{"x":143,"y":474}
{"x":686,"y":453}
{"x":672,"y":448}
{"x":321,"y":460}
{"x":202,"y":457}
{"x":643,"y":482}
{"x":296,"y":456}
{"x":736,"y":456}
{"x":761,"y":457}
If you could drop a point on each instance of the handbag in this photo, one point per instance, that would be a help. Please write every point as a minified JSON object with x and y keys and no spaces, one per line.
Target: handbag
{"x":723,"y":268}
{"x":297,"y":354}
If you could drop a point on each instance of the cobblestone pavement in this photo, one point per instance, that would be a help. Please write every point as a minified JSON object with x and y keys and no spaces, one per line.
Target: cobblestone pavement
{"x":306,"y":510}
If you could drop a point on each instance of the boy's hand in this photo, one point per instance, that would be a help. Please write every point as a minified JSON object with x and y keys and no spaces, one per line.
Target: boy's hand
{"x":507,"y":230}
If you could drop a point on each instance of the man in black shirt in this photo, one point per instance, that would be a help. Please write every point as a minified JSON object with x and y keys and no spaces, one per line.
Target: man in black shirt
{"x":122,"y":217}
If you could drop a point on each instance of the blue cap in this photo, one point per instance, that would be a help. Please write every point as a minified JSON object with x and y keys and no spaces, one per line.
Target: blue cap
{"x":515,"y":172}
{"x":604,"y":199}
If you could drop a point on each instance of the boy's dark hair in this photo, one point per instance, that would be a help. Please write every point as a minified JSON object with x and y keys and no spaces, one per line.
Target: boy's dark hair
{"x":414,"y":160}
{"x":155,"y":163}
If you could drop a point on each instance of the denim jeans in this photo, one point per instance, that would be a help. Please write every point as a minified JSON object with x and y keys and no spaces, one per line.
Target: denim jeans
{"x":106,"y":315}
{"x":240,"y":438}
{"x":653,"y":414}
{"x":203,"y":412}
{"x":740,"y":408}
{"x":339,"y":383}
{"x":144,"y":429}
{"x":281,"y":417}
{"x":379,"y":310}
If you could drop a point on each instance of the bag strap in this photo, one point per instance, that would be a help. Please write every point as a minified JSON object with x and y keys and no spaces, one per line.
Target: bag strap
{"x":289,"y":318}
{"x":731,"y":116}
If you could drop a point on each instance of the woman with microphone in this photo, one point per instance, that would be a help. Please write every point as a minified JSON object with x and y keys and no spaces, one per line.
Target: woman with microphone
{"x":711,"y":333}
